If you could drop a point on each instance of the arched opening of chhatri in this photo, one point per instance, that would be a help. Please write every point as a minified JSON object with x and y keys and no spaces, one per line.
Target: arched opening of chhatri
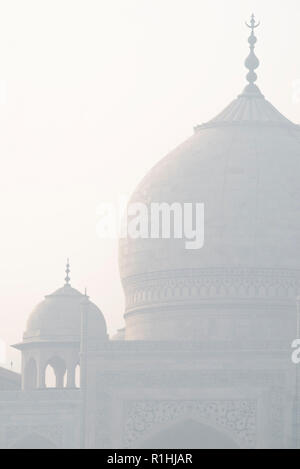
{"x":77,"y":376}
{"x":55,"y":373}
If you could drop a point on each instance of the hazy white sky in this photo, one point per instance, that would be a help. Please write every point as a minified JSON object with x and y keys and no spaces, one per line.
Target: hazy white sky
{"x":92,"y":94}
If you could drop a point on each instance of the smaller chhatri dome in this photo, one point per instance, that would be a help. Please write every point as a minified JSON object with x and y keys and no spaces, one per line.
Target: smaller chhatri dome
{"x":58,"y":317}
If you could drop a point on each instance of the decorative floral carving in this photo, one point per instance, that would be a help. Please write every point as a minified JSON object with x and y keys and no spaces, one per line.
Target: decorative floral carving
{"x":236,"y":417}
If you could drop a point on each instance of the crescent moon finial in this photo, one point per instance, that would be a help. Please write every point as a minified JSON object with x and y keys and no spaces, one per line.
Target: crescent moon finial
{"x":252,"y":62}
{"x":253,"y":25}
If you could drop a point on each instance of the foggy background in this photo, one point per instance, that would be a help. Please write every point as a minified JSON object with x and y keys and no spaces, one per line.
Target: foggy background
{"x":92,"y":94}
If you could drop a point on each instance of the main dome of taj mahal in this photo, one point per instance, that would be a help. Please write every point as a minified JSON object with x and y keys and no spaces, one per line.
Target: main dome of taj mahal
{"x":244,"y":167}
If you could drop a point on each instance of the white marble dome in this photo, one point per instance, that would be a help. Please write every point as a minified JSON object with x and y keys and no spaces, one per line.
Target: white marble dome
{"x":244,"y":165}
{"x":58,"y":318}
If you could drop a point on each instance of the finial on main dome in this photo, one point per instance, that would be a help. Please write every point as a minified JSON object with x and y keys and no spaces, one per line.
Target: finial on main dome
{"x":252,"y":24}
{"x":67,"y":279}
{"x":252,"y":62}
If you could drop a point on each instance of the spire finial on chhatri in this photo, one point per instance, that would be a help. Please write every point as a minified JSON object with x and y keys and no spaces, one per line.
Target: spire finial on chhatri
{"x":67,"y":279}
{"x":252,"y":62}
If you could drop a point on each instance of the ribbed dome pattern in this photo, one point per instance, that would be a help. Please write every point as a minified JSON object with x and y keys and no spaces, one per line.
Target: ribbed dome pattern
{"x":250,"y":109}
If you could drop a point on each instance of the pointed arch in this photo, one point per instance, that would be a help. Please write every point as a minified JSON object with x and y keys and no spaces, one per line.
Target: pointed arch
{"x":55,"y":373}
{"x":34,"y":441}
{"x":77,"y":376}
{"x":188,"y":434}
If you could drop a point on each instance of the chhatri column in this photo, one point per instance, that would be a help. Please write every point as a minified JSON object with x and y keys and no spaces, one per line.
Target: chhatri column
{"x":41,"y":384}
{"x":60,"y":374}
{"x":59,"y":379}
{"x":71,"y":376}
